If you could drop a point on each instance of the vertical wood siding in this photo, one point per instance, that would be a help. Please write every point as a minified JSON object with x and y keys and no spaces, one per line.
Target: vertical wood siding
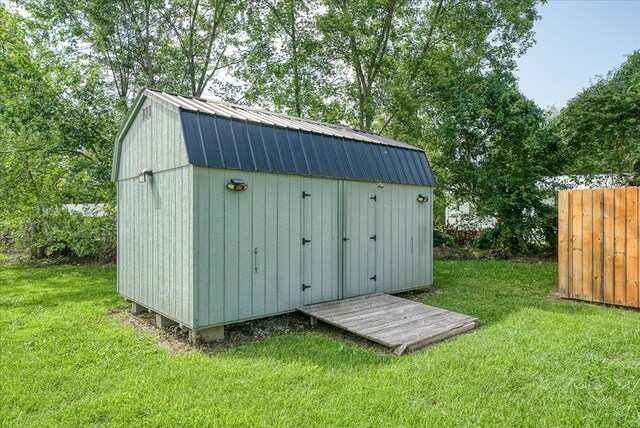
{"x":155,"y":250}
{"x":248,"y":245}
{"x":250,"y":260}
{"x":401,"y":256}
{"x":598,"y":245}
{"x":157,"y":143}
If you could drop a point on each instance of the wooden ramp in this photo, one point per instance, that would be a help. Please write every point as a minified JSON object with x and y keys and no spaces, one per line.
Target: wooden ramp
{"x":392,"y":321}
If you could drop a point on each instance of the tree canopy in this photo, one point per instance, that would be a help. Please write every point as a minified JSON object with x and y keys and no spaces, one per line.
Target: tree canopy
{"x":437,"y":74}
{"x":599,"y":129}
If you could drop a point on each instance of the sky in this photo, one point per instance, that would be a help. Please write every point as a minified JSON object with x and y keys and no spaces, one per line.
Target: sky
{"x":577,"y":40}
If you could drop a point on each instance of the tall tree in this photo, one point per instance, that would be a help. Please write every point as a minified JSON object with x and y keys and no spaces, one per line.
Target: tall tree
{"x":180,"y":45}
{"x":599,"y":129}
{"x":56,"y":137}
{"x":391,"y":49}
{"x":492,"y":149}
{"x":286,"y":66}
{"x":362,"y":35}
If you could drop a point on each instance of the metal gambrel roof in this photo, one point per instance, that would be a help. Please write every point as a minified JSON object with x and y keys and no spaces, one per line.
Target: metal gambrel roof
{"x":233,"y":111}
{"x":225,"y":135}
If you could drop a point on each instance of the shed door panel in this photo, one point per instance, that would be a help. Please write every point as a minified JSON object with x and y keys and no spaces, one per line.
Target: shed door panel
{"x":360,"y":239}
{"x":320,"y":234}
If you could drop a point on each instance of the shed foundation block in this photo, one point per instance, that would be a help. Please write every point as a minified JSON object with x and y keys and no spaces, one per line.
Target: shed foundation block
{"x":211,"y":334}
{"x":163,"y":322}
{"x":136,"y":308}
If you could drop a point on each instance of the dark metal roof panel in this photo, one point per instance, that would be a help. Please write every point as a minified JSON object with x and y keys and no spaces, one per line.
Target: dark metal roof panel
{"x":227,"y":142}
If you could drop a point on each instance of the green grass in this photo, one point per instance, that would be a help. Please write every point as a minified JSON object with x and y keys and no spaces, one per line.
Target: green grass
{"x":537,"y":361}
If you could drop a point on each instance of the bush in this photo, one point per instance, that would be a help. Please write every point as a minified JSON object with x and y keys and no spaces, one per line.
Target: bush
{"x":441,"y":239}
{"x":58,"y":233}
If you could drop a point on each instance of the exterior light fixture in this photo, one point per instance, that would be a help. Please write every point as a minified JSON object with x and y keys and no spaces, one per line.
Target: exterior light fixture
{"x":237,"y":185}
{"x":142,"y":175}
{"x":380,"y":185}
{"x":422,"y":198}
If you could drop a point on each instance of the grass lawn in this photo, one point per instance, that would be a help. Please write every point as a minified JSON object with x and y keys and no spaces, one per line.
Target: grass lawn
{"x":537,"y":361}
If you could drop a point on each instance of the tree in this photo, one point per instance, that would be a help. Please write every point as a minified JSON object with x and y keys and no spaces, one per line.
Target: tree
{"x":179,"y":45}
{"x":56,"y":133}
{"x":392,"y":49}
{"x":492,"y":150}
{"x":285,"y":66}
{"x":599,"y":129}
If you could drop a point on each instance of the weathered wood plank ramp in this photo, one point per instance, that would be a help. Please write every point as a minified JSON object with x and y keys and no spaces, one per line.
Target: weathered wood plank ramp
{"x":391,"y":321}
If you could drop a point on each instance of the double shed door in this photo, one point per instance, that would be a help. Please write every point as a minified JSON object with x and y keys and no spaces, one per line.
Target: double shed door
{"x":358,"y":238}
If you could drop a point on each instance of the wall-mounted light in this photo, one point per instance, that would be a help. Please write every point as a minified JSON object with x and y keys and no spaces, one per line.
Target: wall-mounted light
{"x":422,"y":198}
{"x":380,"y":185}
{"x":142,"y":175}
{"x":237,"y":185}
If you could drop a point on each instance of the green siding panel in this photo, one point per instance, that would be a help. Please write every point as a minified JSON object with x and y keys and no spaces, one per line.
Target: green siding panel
{"x":155,"y":251}
{"x":156,"y":143}
{"x":250,"y":261}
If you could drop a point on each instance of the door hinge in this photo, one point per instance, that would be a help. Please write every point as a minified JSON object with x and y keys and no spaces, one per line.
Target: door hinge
{"x":373,"y":277}
{"x":374,"y":198}
{"x":305,"y":194}
{"x":305,"y":241}
{"x":373,"y":237}
{"x":305,"y":286}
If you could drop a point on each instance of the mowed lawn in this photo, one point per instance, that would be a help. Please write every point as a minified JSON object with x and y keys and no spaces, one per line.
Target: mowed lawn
{"x":537,"y":361}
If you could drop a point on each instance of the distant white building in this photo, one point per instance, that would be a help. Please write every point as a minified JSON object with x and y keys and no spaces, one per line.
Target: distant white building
{"x":88,"y":210}
{"x":463,"y":215}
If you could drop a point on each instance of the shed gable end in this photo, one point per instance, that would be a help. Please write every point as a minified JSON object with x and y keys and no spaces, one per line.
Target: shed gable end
{"x":151,"y":138}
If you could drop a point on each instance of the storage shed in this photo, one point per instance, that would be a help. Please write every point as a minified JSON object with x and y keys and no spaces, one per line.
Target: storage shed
{"x":228,"y":213}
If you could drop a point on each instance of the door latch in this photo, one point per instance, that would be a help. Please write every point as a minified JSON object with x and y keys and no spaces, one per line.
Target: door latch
{"x":305,"y":241}
{"x":305,"y":286}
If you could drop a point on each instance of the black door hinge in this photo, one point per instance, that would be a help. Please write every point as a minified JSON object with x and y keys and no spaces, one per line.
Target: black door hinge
{"x":305,"y":286}
{"x":305,"y":241}
{"x":373,"y":277}
{"x":305,"y":194}
{"x":373,"y":237}
{"x":374,"y":198}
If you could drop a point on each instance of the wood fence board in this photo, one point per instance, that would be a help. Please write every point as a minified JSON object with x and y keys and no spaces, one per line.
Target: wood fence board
{"x":563,"y":243}
{"x":620,"y":242}
{"x":598,"y":244}
{"x":575,"y":287}
{"x":587,"y":244}
{"x":609,"y":246}
{"x":631,"y":248}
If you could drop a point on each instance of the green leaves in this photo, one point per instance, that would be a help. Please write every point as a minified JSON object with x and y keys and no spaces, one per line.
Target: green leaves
{"x":56,"y":133}
{"x":599,"y":129}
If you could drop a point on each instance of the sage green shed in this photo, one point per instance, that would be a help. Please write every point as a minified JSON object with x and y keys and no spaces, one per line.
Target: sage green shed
{"x":228,"y":213}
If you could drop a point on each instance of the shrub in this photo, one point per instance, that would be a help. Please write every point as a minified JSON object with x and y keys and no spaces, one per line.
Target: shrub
{"x":58,"y":233}
{"x":441,"y":239}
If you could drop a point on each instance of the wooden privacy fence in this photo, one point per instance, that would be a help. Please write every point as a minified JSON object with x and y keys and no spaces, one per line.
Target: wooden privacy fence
{"x":598,"y":245}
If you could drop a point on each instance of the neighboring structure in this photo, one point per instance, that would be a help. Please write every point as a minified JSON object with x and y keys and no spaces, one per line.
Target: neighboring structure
{"x":87,"y":210}
{"x":227,"y":213}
